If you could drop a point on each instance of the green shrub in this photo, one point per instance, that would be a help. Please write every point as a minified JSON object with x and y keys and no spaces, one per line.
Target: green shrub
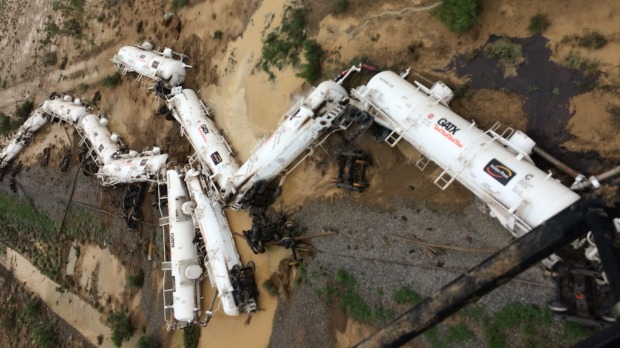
{"x":406,"y":295}
{"x":506,"y":51}
{"x":44,"y":335}
{"x":311,"y":69}
{"x":5,"y":124}
{"x":178,"y":4}
{"x":592,"y":39}
{"x":111,"y":80}
{"x":122,"y":330}
{"x":24,"y":109}
{"x":218,"y":35}
{"x":458,"y":15}
{"x":271,"y":288}
{"x":341,"y":5}
{"x":539,"y":23}
{"x":147,"y":341}
{"x":191,"y":336}
{"x":283,"y":45}
{"x":614,"y":111}
{"x":136,"y":280}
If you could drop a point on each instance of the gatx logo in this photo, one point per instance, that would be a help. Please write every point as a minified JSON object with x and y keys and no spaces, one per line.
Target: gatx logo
{"x":500,"y":172}
{"x":448,"y":126}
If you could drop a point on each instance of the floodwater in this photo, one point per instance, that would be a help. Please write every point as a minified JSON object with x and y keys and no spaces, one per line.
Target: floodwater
{"x":110,"y":273}
{"x":247,"y":105}
{"x":546,"y":86}
{"x":66,"y":305}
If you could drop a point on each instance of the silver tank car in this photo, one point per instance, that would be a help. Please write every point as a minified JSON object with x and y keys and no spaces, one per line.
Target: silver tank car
{"x":212,"y":150}
{"x":21,"y":138}
{"x":222,"y":261}
{"x":495,"y":167}
{"x":65,"y":109}
{"x":301,"y":129}
{"x":133,"y":168}
{"x":159,"y":66}
{"x":106,"y":145}
{"x":182,"y":271}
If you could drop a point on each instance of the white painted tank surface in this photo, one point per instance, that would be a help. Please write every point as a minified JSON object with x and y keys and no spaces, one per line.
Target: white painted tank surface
{"x":100,"y":139}
{"x":518,"y":193}
{"x":150,"y":64}
{"x":220,"y":247}
{"x":299,"y":129}
{"x":210,"y":145}
{"x":22,"y":137}
{"x":64,"y":110}
{"x":183,"y":253}
{"x":127,"y":169}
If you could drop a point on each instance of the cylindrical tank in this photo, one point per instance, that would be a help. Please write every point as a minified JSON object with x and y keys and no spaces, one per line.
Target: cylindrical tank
{"x":299,"y":128}
{"x":65,"y":110}
{"x":209,"y":144}
{"x":131,"y":169}
{"x":519,"y":194}
{"x":183,"y":255}
{"x":221,"y":252}
{"x":151,"y":64}
{"x":99,"y":138}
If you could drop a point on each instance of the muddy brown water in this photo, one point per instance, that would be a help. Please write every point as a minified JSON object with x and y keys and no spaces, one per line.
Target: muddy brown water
{"x":547,"y":88}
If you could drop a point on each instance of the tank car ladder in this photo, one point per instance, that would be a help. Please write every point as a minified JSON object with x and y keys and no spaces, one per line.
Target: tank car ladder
{"x":447,"y":176}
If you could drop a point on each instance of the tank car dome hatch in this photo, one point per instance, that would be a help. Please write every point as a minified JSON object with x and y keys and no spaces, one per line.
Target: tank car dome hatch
{"x":167,"y":52}
{"x":522,"y":142}
{"x":133,"y":153}
{"x":67,"y":98}
{"x":440,"y":92}
{"x":114,"y":137}
{"x":146,"y":45}
{"x":77,"y":101}
{"x":193,"y":272}
{"x":103,"y":121}
{"x":156,"y":150}
{"x":187,"y":208}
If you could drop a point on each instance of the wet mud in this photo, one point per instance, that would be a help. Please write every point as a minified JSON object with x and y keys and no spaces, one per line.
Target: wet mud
{"x":547,"y":88}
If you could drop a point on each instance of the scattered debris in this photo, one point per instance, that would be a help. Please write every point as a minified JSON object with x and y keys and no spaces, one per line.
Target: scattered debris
{"x":131,"y":204}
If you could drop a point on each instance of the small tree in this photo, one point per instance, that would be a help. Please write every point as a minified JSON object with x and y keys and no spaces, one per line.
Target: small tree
{"x":122,"y":330}
{"x":458,"y":15}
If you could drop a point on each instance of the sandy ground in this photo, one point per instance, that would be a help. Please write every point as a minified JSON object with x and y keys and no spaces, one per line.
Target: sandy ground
{"x":248,"y":106}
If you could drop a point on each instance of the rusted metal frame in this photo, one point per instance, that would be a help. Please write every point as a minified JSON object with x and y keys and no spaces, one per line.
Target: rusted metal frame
{"x":491,"y":273}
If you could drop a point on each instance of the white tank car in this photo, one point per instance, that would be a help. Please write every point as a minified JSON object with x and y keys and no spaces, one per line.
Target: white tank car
{"x":300,"y":130}
{"x":211,"y":147}
{"x":496,"y":170}
{"x":133,"y":168}
{"x":106,"y":145}
{"x":22,"y":137}
{"x":65,"y":109}
{"x":145,"y":61}
{"x":183,"y":264}
{"x":222,"y":256}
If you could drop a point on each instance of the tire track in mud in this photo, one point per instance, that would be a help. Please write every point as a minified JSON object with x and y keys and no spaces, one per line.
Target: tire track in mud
{"x":403,"y":11}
